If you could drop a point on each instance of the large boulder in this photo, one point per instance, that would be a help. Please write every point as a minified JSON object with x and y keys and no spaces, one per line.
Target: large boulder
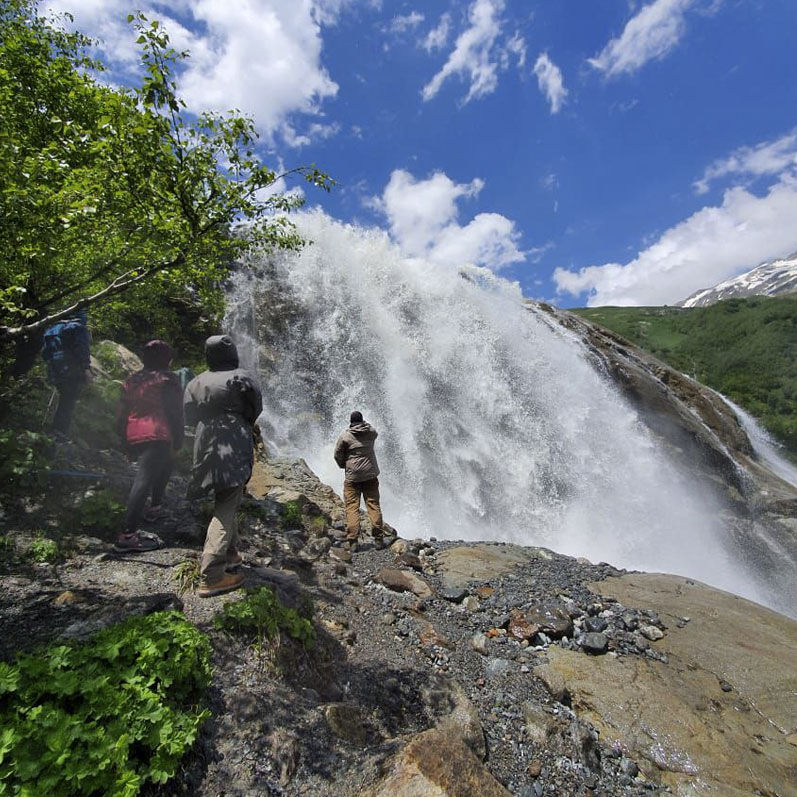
{"x":437,"y":763}
{"x":115,"y":360}
{"x":716,"y":718}
{"x":404,"y":581}
{"x":480,"y":562}
{"x":701,"y":430}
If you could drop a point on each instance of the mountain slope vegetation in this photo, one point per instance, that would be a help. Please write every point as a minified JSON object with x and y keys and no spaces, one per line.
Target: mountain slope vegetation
{"x":744,"y":348}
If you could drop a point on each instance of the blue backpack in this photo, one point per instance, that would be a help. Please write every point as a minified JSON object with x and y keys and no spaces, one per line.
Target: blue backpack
{"x":66,"y":347}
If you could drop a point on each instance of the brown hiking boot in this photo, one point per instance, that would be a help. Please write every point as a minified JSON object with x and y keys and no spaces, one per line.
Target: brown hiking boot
{"x":234,"y":560}
{"x":227,"y":583}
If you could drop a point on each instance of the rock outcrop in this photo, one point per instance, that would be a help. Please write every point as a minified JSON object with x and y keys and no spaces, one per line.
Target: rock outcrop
{"x":717,"y":717}
{"x":702,"y":434}
{"x":492,"y":669}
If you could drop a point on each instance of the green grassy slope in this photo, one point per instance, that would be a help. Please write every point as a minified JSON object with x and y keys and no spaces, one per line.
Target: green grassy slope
{"x":745,"y":348}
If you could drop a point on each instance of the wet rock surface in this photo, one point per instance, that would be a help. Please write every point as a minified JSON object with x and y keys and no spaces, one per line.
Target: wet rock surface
{"x":505,"y":670}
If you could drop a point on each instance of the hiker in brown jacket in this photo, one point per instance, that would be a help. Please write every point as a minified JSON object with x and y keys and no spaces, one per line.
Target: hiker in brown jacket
{"x":354,"y":451}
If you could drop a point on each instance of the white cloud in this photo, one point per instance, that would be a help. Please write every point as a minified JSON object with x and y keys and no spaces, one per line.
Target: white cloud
{"x":479,"y":52}
{"x":315,"y":132}
{"x":404,"y":22}
{"x":550,"y":181}
{"x":549,"y":78}
{"x":652,"y":33}
{"x":515,"y":46}
{"x":422,"y":215}
{"x":262,"y":57}
{"x":767,"y":158}
{"x":710,"y":246}
{"x":437,"y":38}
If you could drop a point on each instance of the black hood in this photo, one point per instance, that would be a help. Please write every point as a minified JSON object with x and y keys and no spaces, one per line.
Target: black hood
{"x":220,"y":353}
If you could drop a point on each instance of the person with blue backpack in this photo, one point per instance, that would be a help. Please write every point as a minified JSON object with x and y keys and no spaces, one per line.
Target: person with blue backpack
{"x":67,"y":352}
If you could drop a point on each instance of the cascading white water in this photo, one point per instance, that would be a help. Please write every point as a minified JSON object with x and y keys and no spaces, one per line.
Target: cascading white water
{"x":767,"y":449}
{"x":492,"y":423}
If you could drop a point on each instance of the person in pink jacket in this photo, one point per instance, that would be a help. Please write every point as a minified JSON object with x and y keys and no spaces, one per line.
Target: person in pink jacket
{"x":150,"y":424}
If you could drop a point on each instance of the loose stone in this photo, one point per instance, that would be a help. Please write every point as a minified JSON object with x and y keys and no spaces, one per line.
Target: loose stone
{"x":454,"y":594}
{"x":651,"y":632}
{"x":595,"y":624}
{"x":594,"y":643}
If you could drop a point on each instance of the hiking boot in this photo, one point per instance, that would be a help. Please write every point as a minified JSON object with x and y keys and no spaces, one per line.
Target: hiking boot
{"x":154,"y":513}
{"x":382,"y":541}
{"x":234,"y":561}
{"x":135,"y":543}
{"x":227,"y":583}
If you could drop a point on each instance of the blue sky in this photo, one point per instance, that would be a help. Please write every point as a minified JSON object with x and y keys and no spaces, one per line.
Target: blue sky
{"x":597,"y":151}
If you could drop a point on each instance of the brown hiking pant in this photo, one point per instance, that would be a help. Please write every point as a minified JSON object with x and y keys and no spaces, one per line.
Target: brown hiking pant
{"x":369,"y":490}
{"x":222,"y":534}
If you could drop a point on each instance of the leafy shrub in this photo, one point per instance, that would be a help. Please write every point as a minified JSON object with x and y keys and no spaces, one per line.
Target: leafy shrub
{"x":7,"y":548}
{"x":96,"y":412}
{"x":97,"y":511}
{"x":23,"y":460}
{"x":106,"y":716}
{"x":261,"y":614}
{"x":43,"y":549}
{"x":187,"y":576}
{"x":291,"y":515}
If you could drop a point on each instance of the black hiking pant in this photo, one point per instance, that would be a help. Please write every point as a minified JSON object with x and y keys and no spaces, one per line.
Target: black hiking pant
{"x":155,"y":462}
{"x":68,"y":392}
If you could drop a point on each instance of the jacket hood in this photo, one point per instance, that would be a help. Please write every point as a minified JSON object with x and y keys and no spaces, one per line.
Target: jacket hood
{"x":220,"y":353}
{"x":363,"y":429}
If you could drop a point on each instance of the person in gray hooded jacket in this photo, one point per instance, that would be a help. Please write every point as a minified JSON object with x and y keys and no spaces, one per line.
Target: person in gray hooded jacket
{"x":354,"y":451}
{"x":224,"y":403}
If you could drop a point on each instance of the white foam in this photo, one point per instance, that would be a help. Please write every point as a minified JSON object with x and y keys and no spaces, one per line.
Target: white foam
{"x":492,"y":423}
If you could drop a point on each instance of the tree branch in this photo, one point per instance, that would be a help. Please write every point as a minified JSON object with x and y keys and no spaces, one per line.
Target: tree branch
{"x":100,"y":272}
{"x":119,"y":284}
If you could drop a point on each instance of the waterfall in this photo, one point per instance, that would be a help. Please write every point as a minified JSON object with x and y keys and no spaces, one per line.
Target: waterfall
{"x":766,"y":448}
{"x":493,"y":424}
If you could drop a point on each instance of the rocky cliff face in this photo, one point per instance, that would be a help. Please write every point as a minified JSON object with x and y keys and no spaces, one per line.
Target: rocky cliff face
{"x":704,"y":435}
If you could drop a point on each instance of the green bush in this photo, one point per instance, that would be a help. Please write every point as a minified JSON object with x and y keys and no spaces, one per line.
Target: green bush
{"x":97,"y":511}
{"x":23,"y":461}
{"x":106,"y":716}
{"x":261,"y":614}
{"x":43,"y":549}
{"x":291,"y":515}
{"x":94,"y":419}
{"x":744,"y":348}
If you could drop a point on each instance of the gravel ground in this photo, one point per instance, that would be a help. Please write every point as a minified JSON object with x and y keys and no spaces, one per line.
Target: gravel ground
{"x":392,"y":659}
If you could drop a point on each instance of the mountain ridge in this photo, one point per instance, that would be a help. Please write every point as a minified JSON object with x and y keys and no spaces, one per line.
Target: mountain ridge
{"x":770,"y":278}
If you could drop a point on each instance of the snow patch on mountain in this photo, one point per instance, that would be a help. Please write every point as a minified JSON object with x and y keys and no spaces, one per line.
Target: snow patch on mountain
{"x":773,"y":278}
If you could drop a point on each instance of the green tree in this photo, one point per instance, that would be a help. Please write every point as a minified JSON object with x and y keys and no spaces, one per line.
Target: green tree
{"x":103,"y":189}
